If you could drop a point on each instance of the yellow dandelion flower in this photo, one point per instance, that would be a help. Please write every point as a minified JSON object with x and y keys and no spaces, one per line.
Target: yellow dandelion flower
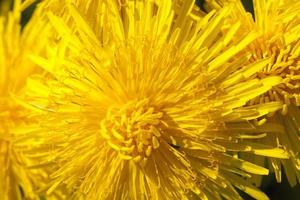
{"x":143,"y":98}
{"x":277,"y":22}
{"x":16,"y":44}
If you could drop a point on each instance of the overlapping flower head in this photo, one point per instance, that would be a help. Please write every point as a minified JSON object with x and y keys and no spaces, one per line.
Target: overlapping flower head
{"x":144,"y":100}
{"x":16,"y":44}
{"x":277,"y":22}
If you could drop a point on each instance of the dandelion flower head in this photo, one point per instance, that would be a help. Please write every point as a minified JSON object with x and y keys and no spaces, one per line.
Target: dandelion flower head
{"x":277,"y":22}
{"x":16,"y":44}
{"x":137,"y":96}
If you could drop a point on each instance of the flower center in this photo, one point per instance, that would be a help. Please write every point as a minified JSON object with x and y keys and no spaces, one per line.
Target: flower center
{"x":133,"y":130}
{"x":284,"y":63}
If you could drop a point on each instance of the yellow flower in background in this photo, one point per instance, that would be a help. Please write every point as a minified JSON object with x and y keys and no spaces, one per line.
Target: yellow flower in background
{"x":278,"y":24}
{"x":16,"y":44}
{"x":144,"y":100}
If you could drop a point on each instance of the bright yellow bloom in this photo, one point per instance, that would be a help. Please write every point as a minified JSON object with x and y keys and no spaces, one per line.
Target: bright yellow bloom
{"x":143,"y":100}
{"x":16,"y":44}
{"x":278,"y":24}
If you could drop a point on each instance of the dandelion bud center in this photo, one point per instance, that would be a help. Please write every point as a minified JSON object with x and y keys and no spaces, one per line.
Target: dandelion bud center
{"x":282,"y":63}
{"x":133,"y":130}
